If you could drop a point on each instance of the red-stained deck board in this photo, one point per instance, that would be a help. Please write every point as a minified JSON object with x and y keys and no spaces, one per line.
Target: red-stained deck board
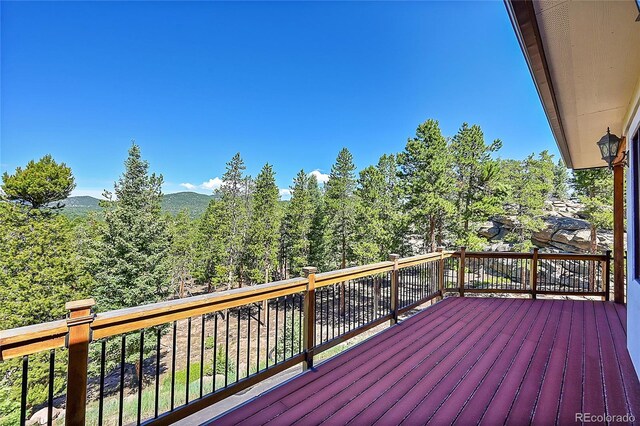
{"x":468,"y":361}
{"x":342,"y":367}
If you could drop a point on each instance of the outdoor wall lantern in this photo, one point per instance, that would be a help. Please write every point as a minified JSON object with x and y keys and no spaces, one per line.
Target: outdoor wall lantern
{"x":608,"y":145}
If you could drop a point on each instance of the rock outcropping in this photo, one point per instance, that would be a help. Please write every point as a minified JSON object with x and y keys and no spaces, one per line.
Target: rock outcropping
{"x":566,"y":230}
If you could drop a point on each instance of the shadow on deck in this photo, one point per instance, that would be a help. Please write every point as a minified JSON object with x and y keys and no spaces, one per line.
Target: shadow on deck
{"x":468,"y":361}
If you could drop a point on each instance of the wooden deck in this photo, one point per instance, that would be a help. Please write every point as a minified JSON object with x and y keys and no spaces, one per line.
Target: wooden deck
{"x":468,"y":361}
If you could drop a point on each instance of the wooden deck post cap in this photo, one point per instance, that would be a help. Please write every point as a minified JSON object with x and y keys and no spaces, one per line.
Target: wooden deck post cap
{"x":394,"y":257}
{"x":78,"y":305}
{"x":308,"y":270}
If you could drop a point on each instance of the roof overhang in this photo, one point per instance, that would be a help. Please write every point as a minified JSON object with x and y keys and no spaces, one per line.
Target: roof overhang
{"x":584,"y":57}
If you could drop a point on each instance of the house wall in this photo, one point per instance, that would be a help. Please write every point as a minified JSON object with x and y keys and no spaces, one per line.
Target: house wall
{"x":633,"y":234}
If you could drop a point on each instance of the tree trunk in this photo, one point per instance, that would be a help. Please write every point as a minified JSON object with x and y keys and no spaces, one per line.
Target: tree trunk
{"x":432,"y":234}
{"x":138,"y":367}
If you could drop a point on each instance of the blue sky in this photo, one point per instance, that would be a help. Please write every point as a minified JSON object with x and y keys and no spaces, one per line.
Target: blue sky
{"x":284,"y":83}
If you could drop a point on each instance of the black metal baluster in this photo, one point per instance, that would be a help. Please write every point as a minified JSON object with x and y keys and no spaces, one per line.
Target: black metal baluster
{"x":360,"y":294}
{"x":401,"y":286}
{"x":354,"y":298}
{"x":188,"y":378}
{"x":405,"y":287}
{"x":333,"y":313}
{"x":349,"y":300}
{"x":268,"y":327}
{"x":284,"y":329}
{"x":140,"y":376}
{"x":103,"y":355}
{"x":258,"y":343}
{"x":320,"y":294}
{"x":416,"y":276}
{"x":215,"y":351}
{"x":122,"y":359}
{"x":412,"y":289}
{"x":226,"y":353}
{"x":23,"y":396}
{"x":300,"y":308}
{"x":277,"y":343}
{"x":52,"y":367}
{"x":365,"y":289}
{"x":202,"y":323}
{"x":327,"y":319}
{"x":157,"y":395}
{"x":293,"y":322}
{"x":248,"y":338}
{"x":238,"y":311}
{"x":372,"y":299}
{"x":173,"y":365}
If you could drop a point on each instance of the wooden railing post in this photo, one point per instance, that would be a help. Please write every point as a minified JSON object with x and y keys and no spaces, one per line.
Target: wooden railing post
{"x":618,"y":232}
{"x":606,"y":275}
{"x":441,"y":271}
{"x":534,"y":273}
{"x":461,"y":271}
{"x":394,"y":288}
{"x":78,"y":339}
{"x":309,"y":329}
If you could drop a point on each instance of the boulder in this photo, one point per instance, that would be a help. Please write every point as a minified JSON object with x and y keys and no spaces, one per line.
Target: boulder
{"x":508,"y":222}
{"x":489,"y":230}
{"x":579,"y":239}
{"x":41,"y":417}
{"x":566,"y":223}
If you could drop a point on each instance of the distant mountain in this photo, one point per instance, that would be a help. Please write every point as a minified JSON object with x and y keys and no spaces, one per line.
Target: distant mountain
{"x":193,"y":202}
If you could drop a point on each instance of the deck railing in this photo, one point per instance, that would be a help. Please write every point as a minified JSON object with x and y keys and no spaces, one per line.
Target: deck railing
{"x":157,"y":363}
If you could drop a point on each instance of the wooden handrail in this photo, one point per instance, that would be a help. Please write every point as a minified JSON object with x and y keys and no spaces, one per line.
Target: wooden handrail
{"x":571,"y":256}
{"x":423,"y":258}
{"x":32,"y":339}
{"x":332,"y":277}
{"x":130,"y":319}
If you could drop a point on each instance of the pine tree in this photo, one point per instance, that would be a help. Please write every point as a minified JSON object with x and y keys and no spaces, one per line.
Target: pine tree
{"x":560,"y":181}
{"x":341,"y":210}
{"x":40,"y":183}
{"x":212,"y":232}
{"x":40,"y":270}
{"x":474,"y":192}
{"x":297,"y":224}
{"x":376,"y":212}
{"x":529,"y":184}
{"x":593,"y":188}
{"x":133,"y":267}
{"x":234,"y":209}
{"x":264,"y":226}
{"x":182,"y":252}
{"x":426,"y":179}
{"x":317,"y":235}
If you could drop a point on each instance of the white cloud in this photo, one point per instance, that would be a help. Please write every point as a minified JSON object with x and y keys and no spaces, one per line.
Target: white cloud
{"x":212,"y":184}
{"x":285,"y":193}
{"x":321,"y":177}
{"x":189,"y":186}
